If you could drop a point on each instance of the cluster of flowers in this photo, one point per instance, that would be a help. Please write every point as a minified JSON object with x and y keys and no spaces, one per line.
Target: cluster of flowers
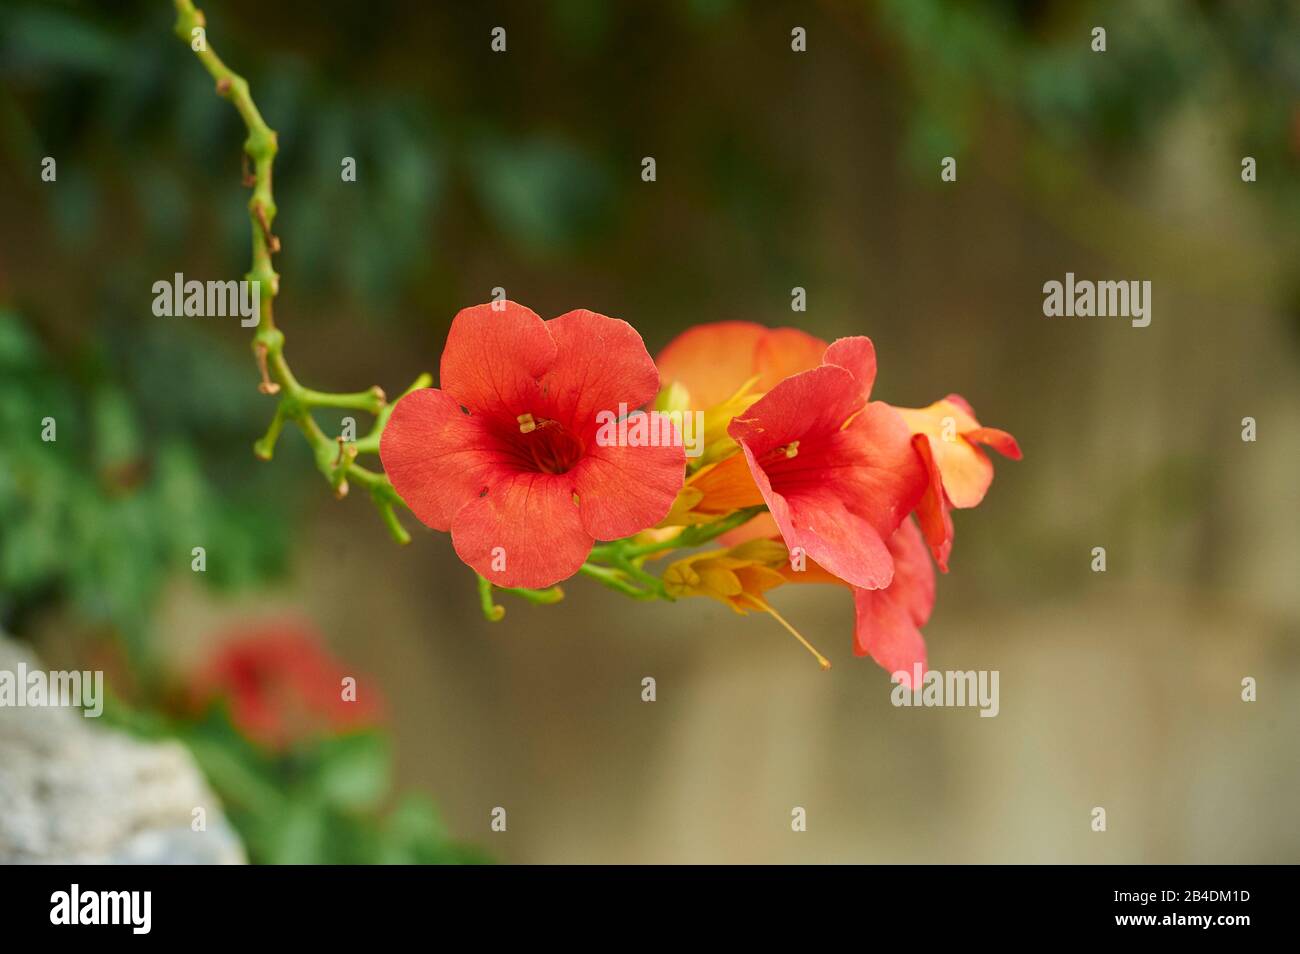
{"x":802,"y":478}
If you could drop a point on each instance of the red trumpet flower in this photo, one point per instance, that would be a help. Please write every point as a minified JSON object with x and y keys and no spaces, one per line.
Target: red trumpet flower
{"x":505,"y":453}
{"x":837,"y":471}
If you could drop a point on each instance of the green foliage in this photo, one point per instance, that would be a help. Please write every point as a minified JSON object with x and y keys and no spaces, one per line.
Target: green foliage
{"x":1035,"y":60}
{"x":323,"y":802}
{"x":131,"y":83}
{"x":106,"y":513}
{"x":544,"y":193}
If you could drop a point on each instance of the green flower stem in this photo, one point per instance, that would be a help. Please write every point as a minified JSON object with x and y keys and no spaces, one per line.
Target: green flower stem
{"x":692,"y":536}
{"x":613,"y":578}
{"x":552,"y":594}
{"x":265,"y":446}
{"x":337,"y":464}
{"x":491,"y":611}
{"x":625,"y":575}
{"x":370,"y":443}
{"x":648,"y":580}
{"x":389,"y":516}
{"x":371,"y":401}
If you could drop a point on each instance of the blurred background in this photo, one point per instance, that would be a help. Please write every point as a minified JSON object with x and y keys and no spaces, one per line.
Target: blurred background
{"x":775,"y":169}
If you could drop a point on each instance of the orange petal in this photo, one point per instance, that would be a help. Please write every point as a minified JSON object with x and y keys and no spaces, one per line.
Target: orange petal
{"x":711,"y":361}
{"x":762,"y":526}
{"x":811,"y":573}
{"x":782,"y":352}
{"x":726,"y":486}
{"x":967,"y":471}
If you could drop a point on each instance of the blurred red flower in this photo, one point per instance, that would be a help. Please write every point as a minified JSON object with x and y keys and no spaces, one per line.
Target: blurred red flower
{"x":282,"y":685}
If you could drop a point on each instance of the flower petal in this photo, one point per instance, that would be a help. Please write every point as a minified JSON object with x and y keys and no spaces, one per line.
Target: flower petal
{"x":830,"y":534}
{"x":600,"y":362}
{"x":782,"y":352}
{"x":438,"y":457}
{"x":762,"y":526}
{"x":967,"y":471}
{"x":889,"y":479}
{"x":816,"y":402}
{"x":711,"y":361}
{"x":857,"y":355}
{"x":726,"y":486}
{"x":887,"y":622}
{"x":525,"y":531}
{"x":933,"y":512}
{"x":1000,"y":441}
{"x":493,"y":360}
{"x":839,"y":491}
{"x":624,"y":490}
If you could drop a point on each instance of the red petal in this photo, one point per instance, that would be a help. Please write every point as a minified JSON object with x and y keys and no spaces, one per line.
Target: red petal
{"x":624,"y":490}
{"x":600,"y":362}
{"x":816,"y":402}
{"x":830,"y":534}
{"x":528,"y":521}
{"x":438,"y":457}
{"x":888,"y":622}
{"x":933,"y":512}
{"x":1000,"y":441}
{"x":847,"y":488}
{"x":876,"y":468}
{"x":857,"y":355}
{"x":493,"y":359}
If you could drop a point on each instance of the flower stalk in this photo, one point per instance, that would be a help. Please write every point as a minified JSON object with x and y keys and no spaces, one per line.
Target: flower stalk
{"x":295,"y":402}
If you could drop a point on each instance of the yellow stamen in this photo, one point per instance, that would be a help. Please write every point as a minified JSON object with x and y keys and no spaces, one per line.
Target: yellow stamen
{"x":767,"y":608}
{"x":792,"y":449}
{"x":526,"y":423}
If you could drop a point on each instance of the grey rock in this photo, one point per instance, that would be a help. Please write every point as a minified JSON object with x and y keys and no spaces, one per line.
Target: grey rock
{"x":73,"y":791}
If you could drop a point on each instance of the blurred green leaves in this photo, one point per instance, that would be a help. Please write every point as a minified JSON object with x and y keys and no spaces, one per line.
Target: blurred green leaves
{"x":105,"y":514}
{"x":353,"y":770}
{"x":46,"y":38}
{"x":327,"y":802}
{"x":542,"y":192}
{"x":1034,"y":59}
